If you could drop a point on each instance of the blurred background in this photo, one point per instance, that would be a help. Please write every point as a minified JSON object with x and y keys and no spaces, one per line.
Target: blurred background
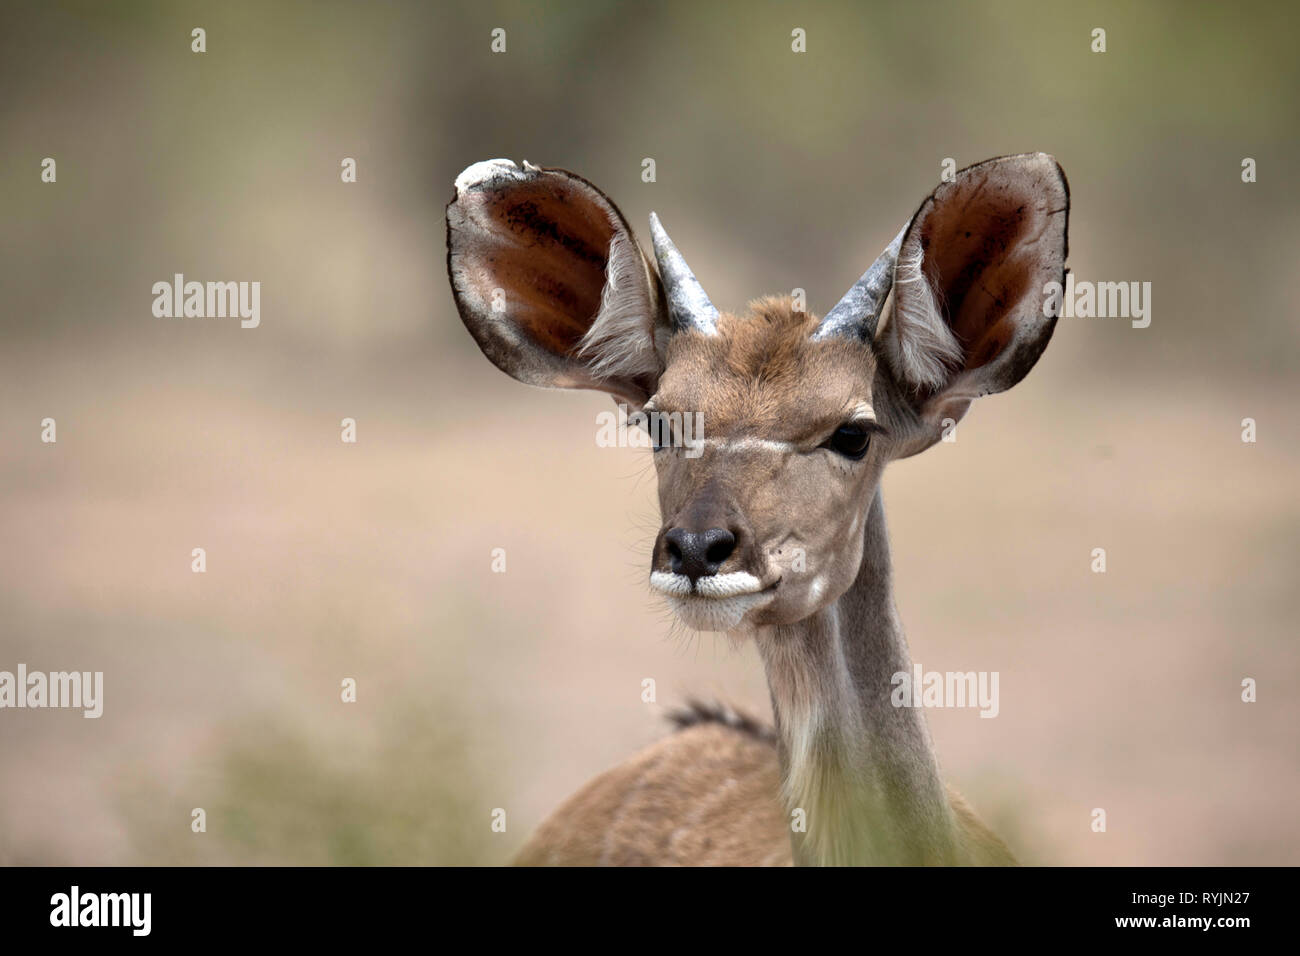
{"x":372,"y":560}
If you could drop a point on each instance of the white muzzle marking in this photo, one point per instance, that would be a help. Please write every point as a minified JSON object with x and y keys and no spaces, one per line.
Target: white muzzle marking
{"x":716,"y":602}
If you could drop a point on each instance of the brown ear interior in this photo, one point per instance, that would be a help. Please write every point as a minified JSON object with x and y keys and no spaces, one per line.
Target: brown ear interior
{"x":980,"y":271}
{"x":972,"y":279}
{"x":545,"y":243}
{"x":982,"y":259}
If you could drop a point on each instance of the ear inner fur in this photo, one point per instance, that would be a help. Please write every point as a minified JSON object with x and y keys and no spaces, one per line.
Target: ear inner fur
{"x":550,"y":281}
{"x":968,"y":294}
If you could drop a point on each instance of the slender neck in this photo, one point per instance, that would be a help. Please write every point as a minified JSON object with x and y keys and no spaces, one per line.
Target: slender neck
{"x":862,"y":770}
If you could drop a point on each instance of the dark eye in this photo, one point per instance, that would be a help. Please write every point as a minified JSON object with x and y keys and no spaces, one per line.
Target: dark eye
{"x":849,"y":441}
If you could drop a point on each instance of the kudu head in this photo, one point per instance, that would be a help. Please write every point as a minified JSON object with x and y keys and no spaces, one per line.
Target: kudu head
{"x":763,"y":515}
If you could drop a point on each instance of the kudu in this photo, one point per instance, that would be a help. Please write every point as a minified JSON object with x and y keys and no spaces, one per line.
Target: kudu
{"x":773,"y":529}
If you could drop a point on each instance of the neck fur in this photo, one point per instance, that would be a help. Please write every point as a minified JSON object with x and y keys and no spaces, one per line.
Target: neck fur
{"x":863,"y":771}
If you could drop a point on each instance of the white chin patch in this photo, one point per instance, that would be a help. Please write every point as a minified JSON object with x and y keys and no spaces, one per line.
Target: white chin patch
{"x":714,"y":603}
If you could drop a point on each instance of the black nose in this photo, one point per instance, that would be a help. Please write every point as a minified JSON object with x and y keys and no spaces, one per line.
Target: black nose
{"x":698,"y":554}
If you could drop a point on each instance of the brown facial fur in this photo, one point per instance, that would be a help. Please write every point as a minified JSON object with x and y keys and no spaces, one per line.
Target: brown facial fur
{"x":762,"y":378}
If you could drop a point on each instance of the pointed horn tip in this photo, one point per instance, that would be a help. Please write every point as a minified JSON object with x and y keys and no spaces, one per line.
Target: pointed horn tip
{"x":859,"y":309}
{"x":687,"y":302}
{"x":659,"y":238}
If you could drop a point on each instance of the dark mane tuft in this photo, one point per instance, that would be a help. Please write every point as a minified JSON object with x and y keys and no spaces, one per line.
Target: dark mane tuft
{"x":697,"y":712}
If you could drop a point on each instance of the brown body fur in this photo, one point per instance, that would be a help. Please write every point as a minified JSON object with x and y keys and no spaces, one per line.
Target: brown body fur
{"x":729,"y":782}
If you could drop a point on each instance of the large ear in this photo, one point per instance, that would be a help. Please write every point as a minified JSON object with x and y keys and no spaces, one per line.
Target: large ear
{"x":551,"y":283}
{"x":967,"y":316}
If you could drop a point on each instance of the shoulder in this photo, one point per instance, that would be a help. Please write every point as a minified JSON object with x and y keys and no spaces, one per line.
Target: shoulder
{"x":707,"y":794}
